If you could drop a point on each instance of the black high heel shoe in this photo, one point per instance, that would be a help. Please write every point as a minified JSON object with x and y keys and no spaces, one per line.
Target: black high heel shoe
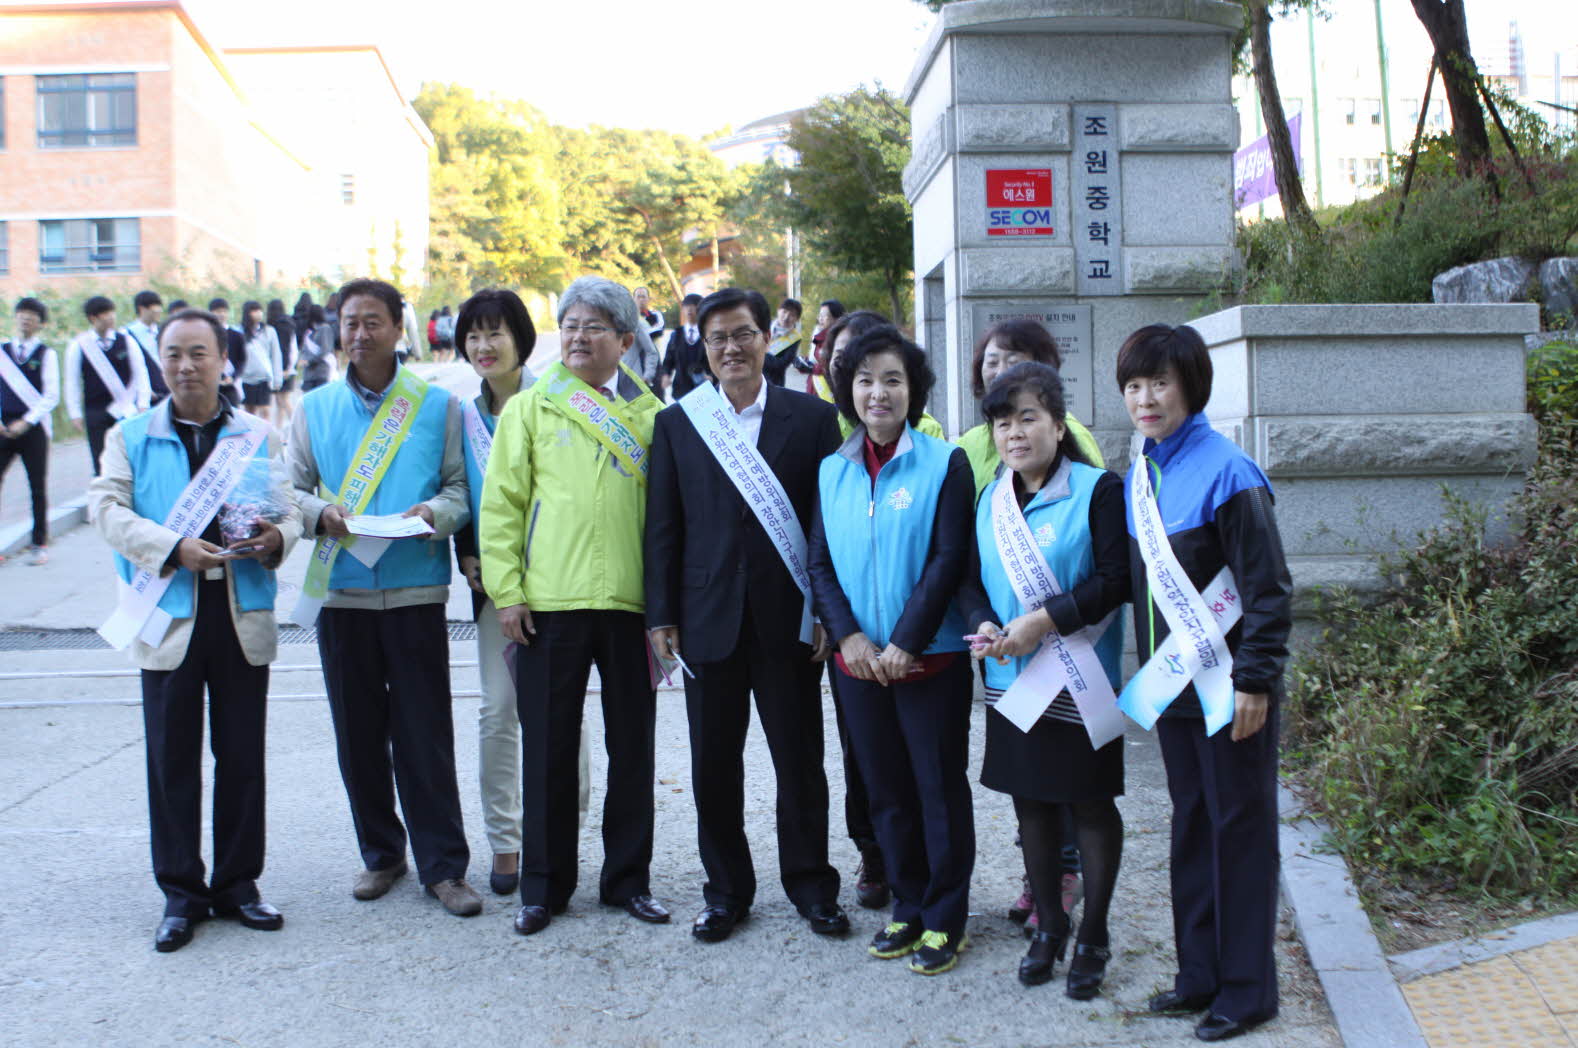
{"x":1046,"y":949}
{"x":1086,"y":971}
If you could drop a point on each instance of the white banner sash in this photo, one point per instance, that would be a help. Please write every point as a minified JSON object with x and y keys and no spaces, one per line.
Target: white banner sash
{"x":17,"y":381}
{"x":713,"y":418}
{"x":477,"y":435}
{"x":1200,"y":644}
{"x":1061,"y":662}
{"x":123,"y":404}
{"x":137,"y":612}
{"x":1162,"y":678}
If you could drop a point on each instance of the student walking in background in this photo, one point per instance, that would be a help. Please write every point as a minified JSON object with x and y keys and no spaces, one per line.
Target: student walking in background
{"x":29,"y":391}
{"x":260,"y":376}
{"x":106,"y":376}
{"x":285,"y":379}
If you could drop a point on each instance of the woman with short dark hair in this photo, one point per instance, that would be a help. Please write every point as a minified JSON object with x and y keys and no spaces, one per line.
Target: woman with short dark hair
{"x":888,"y":548}
{"x":261,"y":373}
{"x":1206,"y":560}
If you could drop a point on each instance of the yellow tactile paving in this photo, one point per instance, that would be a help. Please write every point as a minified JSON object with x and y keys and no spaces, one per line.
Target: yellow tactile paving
{"x":1493,"y":1004}
{"x":1554,"y":969}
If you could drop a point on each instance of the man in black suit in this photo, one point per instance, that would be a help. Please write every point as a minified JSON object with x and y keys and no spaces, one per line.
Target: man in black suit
{"x":685,"y":359}
{"x":721,"y":594}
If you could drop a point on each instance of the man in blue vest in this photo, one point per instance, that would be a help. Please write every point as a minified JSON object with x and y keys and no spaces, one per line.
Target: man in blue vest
{"x":29,"y":391}
{"x":207,"y":621}
{"x":383,"y":442}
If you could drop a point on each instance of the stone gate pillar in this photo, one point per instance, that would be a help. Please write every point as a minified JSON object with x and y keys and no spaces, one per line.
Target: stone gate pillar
{"x":1073,"y":160}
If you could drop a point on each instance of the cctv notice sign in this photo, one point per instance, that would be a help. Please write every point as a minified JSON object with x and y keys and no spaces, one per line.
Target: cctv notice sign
{"x":1019,"y":202}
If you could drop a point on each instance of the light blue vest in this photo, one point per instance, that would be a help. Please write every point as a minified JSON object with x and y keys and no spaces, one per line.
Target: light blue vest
{"x":879,"y":538}
{"x":160,"y":472}
{"x":1059,"y":518}
{"x":336,"y":422}
{"x":474,"y":470}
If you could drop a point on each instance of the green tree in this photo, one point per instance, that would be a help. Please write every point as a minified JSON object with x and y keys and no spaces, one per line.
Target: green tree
{"x":846,"y":196}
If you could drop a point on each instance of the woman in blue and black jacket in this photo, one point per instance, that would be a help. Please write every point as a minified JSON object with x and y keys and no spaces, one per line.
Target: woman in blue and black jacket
{"x":888,"y":549}
{"x":1199,"y":507}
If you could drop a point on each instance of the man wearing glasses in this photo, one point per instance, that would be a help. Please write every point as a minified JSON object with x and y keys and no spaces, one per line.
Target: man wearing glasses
{"x":727,"y":593}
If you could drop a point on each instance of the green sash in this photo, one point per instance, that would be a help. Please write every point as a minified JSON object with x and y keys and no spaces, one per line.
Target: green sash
{"x":600,"y":418}
{"x":373,"y":457}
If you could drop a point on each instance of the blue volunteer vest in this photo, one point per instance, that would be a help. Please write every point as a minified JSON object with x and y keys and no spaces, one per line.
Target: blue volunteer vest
{"x":879,"y":538}
{"x":336,"y":421}
{"x":1059,"y":518}
{"x":160,"y":472}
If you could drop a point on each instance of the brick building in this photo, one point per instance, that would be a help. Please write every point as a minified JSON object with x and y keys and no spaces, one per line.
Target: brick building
{"x":130,"y":147}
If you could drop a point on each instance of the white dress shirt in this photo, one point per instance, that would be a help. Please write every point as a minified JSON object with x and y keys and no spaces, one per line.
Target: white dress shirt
{"x":138,"y":386}
{"x":50,"y":395}
{"x":749,"y":421}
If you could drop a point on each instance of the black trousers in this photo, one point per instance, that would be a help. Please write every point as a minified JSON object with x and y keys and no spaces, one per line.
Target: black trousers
{"x":1224,"y":863}
{"x":550,"y":695}
{"x":857,"y":803}
{"x":913,"y":743}
{"x":97,"y":422}
{"x":32,"y":448}
{"x":172,"y":709}
{"x":387,"y":674}
{"x":787,"y":686}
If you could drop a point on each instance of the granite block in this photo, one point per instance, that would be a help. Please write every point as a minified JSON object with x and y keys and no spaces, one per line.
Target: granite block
{"x":932,"y":145}
{"x":1178,"y":199}
{"x":1386,"y":374}
{"x":1178,"y":128}
{"x":972,"y":210}
{"x":1331,"y":516}
{"x":1366,"y":320}
{"x":1022,"y":67}
{"x":1409,"y":445}
{"x":1012,"y":128}
{"x":1023,"y":271}
{"x":1166,"y":270}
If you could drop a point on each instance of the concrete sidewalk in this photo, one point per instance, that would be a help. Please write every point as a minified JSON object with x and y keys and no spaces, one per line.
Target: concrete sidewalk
{"x":66,"y":482}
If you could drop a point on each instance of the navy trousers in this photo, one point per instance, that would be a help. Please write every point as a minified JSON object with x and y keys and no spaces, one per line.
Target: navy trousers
{"x":1224,"y":863}
{"x":387,"y":675}
{"x":913,"y":744}
{"x":172,"y":710}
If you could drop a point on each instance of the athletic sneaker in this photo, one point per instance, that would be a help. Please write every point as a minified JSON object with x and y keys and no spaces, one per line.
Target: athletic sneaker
{"x":896,"y":940}
{"x":1023,"y":906}
{"x":38,"y":556}
{"x":1073,"y":891}
{"x":938,"y":953}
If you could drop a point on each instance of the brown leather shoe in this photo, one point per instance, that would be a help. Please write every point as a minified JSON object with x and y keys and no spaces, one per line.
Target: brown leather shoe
{"x":373,"y":884}
{"x":458,"y":897}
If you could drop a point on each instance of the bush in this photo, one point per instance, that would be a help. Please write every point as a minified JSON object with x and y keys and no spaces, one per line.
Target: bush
{"x":1435,"y":728}
{"x":1553,"y":381}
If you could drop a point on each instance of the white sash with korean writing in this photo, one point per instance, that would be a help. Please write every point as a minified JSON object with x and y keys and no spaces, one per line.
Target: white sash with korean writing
{"x":713,"y":418}
{"x":17,"y":381}
{"x":1196,"y":649}
{"x":123,"y":403}
{"x":477,"y":435}
{"x":137,"y":614}
{"x":1061,"y":662}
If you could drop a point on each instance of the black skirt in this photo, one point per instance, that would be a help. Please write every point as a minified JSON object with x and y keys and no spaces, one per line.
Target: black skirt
{"x":1052,"y":762}
{"x":256,"y":394}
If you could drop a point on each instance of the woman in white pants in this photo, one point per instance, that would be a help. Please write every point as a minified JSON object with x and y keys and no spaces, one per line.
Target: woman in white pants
{"x":495,"y":334}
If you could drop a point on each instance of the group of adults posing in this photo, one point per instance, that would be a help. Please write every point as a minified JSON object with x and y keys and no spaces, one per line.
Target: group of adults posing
{"x":739,"y":539}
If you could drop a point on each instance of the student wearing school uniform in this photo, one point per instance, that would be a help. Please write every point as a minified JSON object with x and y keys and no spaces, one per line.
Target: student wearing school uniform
{"x":1053,"y":518}
{"x":144,"y":330}
{"x":888,"y":549}
{"x":383,"y":442}
{"x":1196,"y":505}
{"x":29,"y":391}
{"x":106,"y":376}
{"x":218,"y":632}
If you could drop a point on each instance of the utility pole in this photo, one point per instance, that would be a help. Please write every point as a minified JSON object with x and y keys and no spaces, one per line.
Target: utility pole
{"x":1320,"y":196}
{"x":1386,"y":92}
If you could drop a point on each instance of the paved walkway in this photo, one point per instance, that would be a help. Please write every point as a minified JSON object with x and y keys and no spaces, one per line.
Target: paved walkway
{"x":1524,"y":997}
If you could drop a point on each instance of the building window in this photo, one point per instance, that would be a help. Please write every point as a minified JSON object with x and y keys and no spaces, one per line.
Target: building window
{"x":87,"y":111}
{"x":347,"y":189}
{"x":1350,"y":169}
{"x":1350,"y":110}
{"x":90,"y":245}
{"x":1372,"y":171}
{"x":5,"y":248}
{"x":1374,"y":107}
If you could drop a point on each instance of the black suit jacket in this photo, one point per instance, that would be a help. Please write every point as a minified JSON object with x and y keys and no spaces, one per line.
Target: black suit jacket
{"x":685,"y":362}
{"x":705,"y":550}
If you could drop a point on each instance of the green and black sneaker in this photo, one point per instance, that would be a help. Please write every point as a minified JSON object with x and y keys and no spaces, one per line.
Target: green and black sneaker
{"x":938,"y":952}
{"x":896,"y":940}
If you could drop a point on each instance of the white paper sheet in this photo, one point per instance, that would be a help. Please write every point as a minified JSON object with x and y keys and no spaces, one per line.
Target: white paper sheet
{"x":388,"y":526}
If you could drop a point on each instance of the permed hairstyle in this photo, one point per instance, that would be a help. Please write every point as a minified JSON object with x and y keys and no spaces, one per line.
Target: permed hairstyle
{"x":1021,"y":335}
{"x":883,"y":339}
{"x":495,"y":307}
{"x":605,"y":296}
{"x":1151,"y":350}
{"x":1046,"y":384}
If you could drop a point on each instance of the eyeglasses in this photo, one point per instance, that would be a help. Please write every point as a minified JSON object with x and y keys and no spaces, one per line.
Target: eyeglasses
{"x":589,"y":330}
{"x":741,"y":338}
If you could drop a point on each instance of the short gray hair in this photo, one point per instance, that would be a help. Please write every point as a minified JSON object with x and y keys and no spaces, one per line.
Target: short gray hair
{"x":605,"y":296}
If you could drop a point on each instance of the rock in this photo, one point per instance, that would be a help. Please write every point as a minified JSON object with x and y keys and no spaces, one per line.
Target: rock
{"x":1559,"y":291}
{"x":1497,"y":280}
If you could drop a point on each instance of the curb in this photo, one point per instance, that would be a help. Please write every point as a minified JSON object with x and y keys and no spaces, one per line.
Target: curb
{"x":14,"y":538}
{"x":1416,"y":964}
{"x":1366,"y":1003}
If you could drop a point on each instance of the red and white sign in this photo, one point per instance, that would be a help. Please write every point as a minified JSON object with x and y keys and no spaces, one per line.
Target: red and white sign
{"x":1019,"y":202}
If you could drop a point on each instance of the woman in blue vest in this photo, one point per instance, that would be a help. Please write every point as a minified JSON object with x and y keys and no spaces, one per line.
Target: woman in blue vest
{"x":1205,"y":508}
{"x":888,"y":548}
{"x":1073,"y":512}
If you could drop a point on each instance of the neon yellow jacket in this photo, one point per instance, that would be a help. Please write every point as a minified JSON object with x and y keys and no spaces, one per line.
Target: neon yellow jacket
{"x":981,"y":450}
{"x":561,"y":522}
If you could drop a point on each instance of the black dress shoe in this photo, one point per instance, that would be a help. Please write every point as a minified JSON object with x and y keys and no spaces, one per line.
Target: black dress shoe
{"x":255,"y":914}
{"x":716,"y":923}
{"x":504,"y":883}
{"x":827,"y":918}
{"x":646,"y":908}
{"x":1171,"y":1002}
{"x":1086,"y":971}
{"x":1040,"y":961}
{"x":532,"y":919}
{"x":173,"y":933}
{"x":1216,"y":1027}
{"x":871,"y":879}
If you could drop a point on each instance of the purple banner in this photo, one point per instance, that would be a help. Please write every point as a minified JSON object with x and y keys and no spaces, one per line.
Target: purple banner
{"x":1253,"y":177}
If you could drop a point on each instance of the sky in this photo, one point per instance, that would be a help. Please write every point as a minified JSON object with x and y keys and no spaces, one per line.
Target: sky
{"x":699,"y":65}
